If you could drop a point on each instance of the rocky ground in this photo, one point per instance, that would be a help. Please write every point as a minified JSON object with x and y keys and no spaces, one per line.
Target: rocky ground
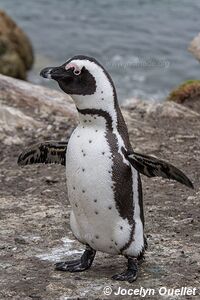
{"x":34,"y":215}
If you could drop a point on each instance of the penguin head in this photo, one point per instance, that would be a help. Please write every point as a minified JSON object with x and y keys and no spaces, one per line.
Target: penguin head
{"x":85,"y":80}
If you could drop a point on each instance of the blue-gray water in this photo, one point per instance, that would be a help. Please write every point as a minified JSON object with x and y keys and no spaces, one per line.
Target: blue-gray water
{"x":143,"y":44}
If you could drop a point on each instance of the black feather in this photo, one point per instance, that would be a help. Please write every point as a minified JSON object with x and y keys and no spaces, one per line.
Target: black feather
{"x":47,"y":153}
{"x":153,"y":167}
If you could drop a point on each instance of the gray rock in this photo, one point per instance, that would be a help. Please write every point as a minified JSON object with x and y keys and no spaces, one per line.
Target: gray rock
{"x":194,"y":47}
{"x":16,"y":52}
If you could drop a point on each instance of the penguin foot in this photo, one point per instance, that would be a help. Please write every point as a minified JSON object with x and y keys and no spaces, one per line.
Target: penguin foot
{"x":78,"y":265}
{"x":130,"y":274}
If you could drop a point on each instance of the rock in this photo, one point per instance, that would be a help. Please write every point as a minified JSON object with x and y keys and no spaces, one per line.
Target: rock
{"x":194,"y":47}
{"x":27,"y":109}
{"x":12,"y":118}
{"x":16,"y":53}
{"x":35,"y":99}
{"x":188,"y":94}
{"x":163,"y":109}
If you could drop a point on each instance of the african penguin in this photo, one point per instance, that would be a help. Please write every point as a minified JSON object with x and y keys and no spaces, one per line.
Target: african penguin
{"x":103,"y":180}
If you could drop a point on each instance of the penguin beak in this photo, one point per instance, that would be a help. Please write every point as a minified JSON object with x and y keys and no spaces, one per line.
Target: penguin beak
{"x":55,"y":73}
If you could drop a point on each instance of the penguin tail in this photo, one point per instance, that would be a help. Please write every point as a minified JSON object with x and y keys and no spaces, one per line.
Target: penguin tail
{"x":153,"y":167}
{"x":46,"y":153}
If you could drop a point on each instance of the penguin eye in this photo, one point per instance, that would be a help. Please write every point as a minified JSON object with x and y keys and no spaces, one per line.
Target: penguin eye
{"x":74,"y":68}
{"x":76,"y":72}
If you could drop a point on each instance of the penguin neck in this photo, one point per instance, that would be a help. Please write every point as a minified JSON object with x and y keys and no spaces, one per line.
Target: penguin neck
{"x":96,"y":118}
{"x":100,"y":119}
{"x":98,"y":111}
{"x":106,"y":118}
{"x":102,"y":110}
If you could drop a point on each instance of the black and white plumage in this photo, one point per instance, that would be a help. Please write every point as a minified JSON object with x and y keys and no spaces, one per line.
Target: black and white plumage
{"x":153,"y":167}
{"x":54,"y":152}
{"x":103,"y":180}
{"x":46,"y":153}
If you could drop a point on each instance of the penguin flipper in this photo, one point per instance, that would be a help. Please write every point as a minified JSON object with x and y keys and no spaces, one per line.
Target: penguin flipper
{"x":46,"y":153}
{"x":154,"y":167}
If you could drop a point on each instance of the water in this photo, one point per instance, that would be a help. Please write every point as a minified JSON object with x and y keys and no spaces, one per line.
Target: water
{"x":143,"y":44}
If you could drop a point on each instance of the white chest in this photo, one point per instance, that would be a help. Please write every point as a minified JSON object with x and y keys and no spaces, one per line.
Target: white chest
{"x":89,"y":170}
{"x":88,"y":158}
{"x":94,"y":216}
